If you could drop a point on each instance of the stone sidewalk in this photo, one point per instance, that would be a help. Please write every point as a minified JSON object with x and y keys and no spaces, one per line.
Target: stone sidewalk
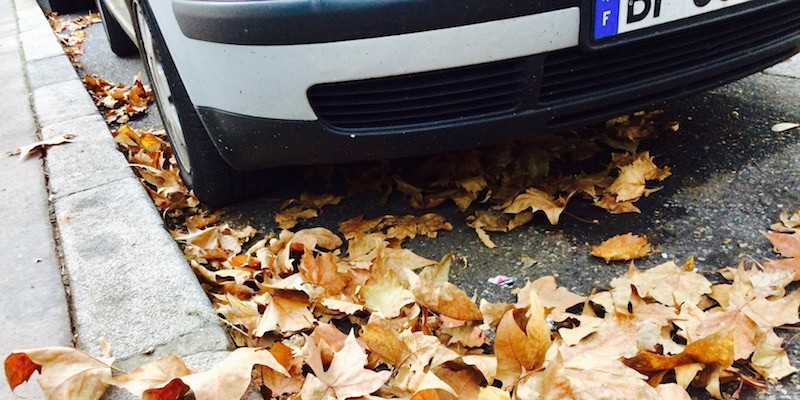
{"x":84,"y":252}
{"x":32,"y":297}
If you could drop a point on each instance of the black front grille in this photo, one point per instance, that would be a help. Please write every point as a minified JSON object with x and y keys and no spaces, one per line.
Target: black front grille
{"x":423,"y":98}
{"x":572,"y":74}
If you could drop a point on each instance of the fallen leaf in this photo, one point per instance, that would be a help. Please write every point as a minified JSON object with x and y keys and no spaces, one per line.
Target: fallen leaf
{"x":346,"y":376}
{"x":152,"y":375}
{"x":30,"y":149}
{"x":443,"y":297}
{"x":230,"y":378}
{"x":65,"y":373}
{"x":623,"y":248}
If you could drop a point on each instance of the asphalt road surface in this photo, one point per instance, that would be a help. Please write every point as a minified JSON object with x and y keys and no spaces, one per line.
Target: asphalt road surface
{"x":731,"y":178}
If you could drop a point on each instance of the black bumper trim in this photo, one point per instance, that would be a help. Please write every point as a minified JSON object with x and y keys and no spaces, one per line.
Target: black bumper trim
{"x":289,"y":22}
{"x":250,"y":143}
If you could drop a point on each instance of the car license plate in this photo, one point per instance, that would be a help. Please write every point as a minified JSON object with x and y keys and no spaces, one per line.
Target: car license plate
{"x":615,"y":17}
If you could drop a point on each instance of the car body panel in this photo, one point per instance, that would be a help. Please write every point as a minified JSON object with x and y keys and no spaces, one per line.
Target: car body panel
{"x":254,"y":100}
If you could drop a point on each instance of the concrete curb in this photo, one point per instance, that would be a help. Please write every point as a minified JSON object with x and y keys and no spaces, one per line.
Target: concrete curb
{"x":129,"y":281}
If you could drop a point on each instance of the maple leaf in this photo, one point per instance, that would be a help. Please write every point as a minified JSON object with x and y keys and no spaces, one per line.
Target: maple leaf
{"x":412,"y":354}
{"x":521,"y":350}
{"x":666,"y":283}
{"x":715,"y":352}
{"x":770,"y":358}
{"x":65,"y":373}
{"x":432,"y":291}
{"x":610,"y":204}
{"x":623,"y":248}
{"x":788,"y":224}
{"x":323,"y":271}
{"x":346,"y":376}
{"x":310,"y":239}
{"x":586,"y":379}
{"x":277,"y":382}
{"x":630,"y":184}
{"x":549,"y":294}
{"x":285,"y":312}
{"x":306,"y":207}
{"x":538,"y":200}
{"x":386,"y":295}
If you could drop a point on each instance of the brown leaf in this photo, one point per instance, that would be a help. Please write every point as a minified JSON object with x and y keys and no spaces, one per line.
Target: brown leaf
{"x":630,"y":184}
{"x":66,"y":373}
{"x":28,"y":150}
{"x":519,"y":350}
{"x":285,"y":312}
{"x":19,"y":368}
{"x":230,"y":378}
{"x":152,"y":375}
{"x":551,"y":296}
{"x":623,"y":248}
{"x":279,"y":383}
{"x":323,"y":271}
{"x":786,"y":244}
{"x":444,"y":297}
{"x":173,"y":390}
{"x":345,"y":378}
{"x":666,"y":283}
{"x":537,"y":200}
{"x":386,"y":295}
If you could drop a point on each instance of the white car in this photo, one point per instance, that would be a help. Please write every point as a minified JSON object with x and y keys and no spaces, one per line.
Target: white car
{"x":246,"y":85}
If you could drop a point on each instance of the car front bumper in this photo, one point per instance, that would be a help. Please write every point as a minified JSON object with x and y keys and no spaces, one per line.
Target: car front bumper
{"x":258,"y":99}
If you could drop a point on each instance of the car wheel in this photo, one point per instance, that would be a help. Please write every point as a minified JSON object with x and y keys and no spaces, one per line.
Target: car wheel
{"x":214,"y":182}
{"x":121,"y":43}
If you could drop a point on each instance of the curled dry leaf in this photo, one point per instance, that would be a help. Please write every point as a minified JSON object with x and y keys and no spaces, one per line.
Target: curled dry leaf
{"x":623,"y":248}
{"x":28,"y":150}
{"x":521,"y":343}
{"x":433,"y":292}
{"x":152,"y":375}
{"x":65,"y":373}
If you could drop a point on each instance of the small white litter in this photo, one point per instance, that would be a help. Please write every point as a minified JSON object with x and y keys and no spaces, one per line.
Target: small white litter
{"x":502,"y":280}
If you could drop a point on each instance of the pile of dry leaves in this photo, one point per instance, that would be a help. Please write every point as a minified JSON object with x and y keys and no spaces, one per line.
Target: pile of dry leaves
{"x":71,"y":34}
{"x":319,"y":318}
{"x":118,"y":102}
{"x":504,"y":186}
{"x":375,"y":321}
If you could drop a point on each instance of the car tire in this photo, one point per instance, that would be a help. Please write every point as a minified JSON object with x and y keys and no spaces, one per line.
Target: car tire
{"x":214,"y":182}
{"x":121,"y":44}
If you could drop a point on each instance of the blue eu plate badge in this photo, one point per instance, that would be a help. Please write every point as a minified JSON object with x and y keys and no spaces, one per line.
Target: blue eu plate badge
{"x":606,"y":18}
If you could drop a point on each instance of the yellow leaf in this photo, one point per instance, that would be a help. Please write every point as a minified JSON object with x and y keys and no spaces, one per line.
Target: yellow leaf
{"x":538,"y":200}
{"x":623,"y":248}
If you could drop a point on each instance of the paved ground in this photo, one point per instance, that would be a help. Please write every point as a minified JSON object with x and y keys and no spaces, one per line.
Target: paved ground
{"x":732,"y":177}
{"x":83,"y":251}
{"x":32,"y":297}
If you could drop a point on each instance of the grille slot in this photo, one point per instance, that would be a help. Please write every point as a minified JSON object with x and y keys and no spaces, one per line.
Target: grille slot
{"x":423,"y":98}
{"x":572,"y":74}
